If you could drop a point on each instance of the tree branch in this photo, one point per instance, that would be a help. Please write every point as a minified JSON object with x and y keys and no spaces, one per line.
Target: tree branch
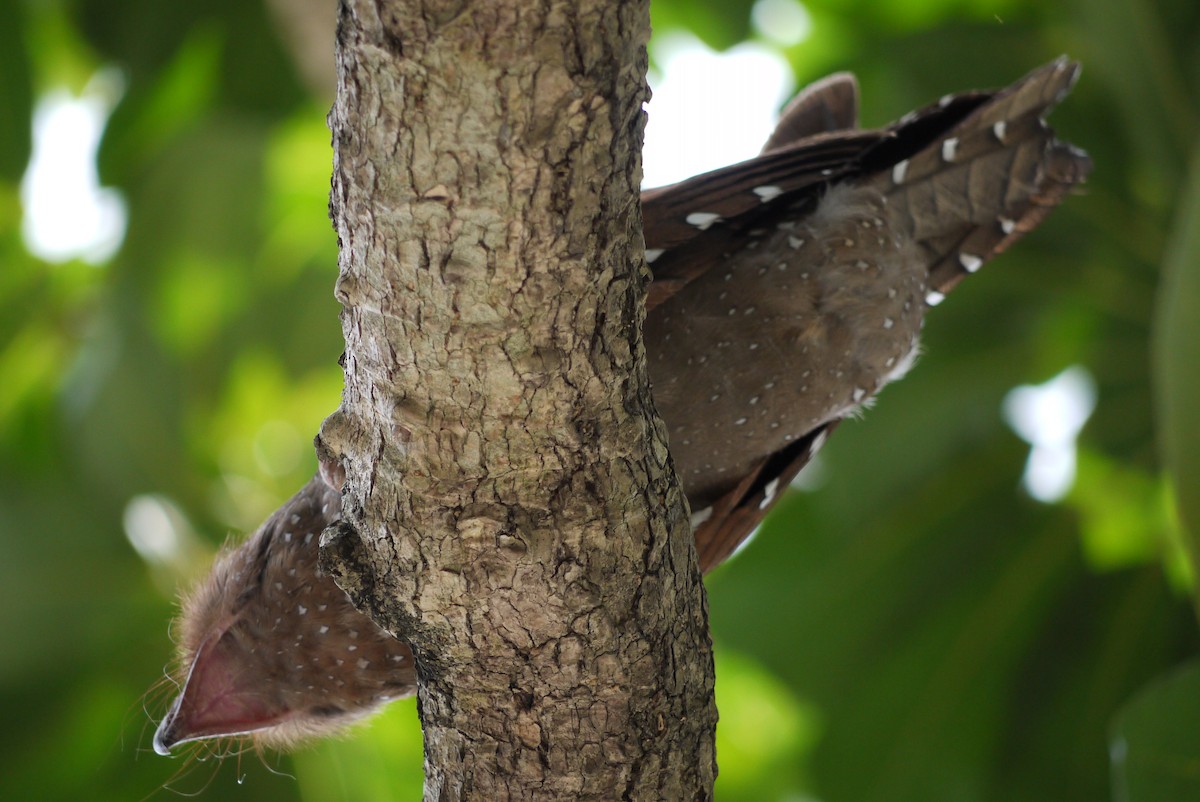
{"x":509,"y":507}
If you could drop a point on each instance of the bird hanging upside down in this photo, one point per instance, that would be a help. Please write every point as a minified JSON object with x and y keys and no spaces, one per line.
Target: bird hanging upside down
{"x":788,"y":290}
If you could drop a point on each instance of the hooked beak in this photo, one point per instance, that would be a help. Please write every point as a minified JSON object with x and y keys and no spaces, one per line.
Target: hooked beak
{"x":218,"y":699}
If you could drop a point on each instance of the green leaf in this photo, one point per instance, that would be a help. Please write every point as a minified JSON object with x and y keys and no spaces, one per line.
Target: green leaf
{"x":1155,"y":745}
{"x":1177,"y":380}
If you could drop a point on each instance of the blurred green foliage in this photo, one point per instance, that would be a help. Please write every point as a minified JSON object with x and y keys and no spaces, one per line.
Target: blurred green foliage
{"x":915,"y":628}
{"x":1155,"y":740}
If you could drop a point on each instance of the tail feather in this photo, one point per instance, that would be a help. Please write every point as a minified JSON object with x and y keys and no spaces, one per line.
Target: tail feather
{"x":993,"y":176}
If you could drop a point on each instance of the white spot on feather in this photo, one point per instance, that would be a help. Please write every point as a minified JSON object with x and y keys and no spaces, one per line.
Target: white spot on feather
{"x":950,"y":149}
{"x":768,"y":193}
{"x":702,"y":220}
{"x":769,"y":494}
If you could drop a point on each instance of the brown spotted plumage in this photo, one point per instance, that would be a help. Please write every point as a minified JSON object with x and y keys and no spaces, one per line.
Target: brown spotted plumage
{"x":802,"y":285}
{"x":271,"y":646}
{"x":788,"y":290}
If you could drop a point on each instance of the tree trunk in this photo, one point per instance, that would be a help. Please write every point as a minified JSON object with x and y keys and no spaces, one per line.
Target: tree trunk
{"x":510,"y":509}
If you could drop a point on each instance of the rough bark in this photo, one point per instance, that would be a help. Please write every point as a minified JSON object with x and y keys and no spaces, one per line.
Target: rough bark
{"x":509,"y":506}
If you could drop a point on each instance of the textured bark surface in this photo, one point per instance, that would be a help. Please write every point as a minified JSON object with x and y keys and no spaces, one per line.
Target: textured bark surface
{"x":509,"y":509}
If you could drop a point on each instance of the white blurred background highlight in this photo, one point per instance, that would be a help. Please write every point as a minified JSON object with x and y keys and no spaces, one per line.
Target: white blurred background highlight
{"x":67,"y":214}
{"x":1050,"y":417}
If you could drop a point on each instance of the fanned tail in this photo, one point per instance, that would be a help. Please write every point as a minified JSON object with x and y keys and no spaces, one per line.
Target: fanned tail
{"x":990,"y":178}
